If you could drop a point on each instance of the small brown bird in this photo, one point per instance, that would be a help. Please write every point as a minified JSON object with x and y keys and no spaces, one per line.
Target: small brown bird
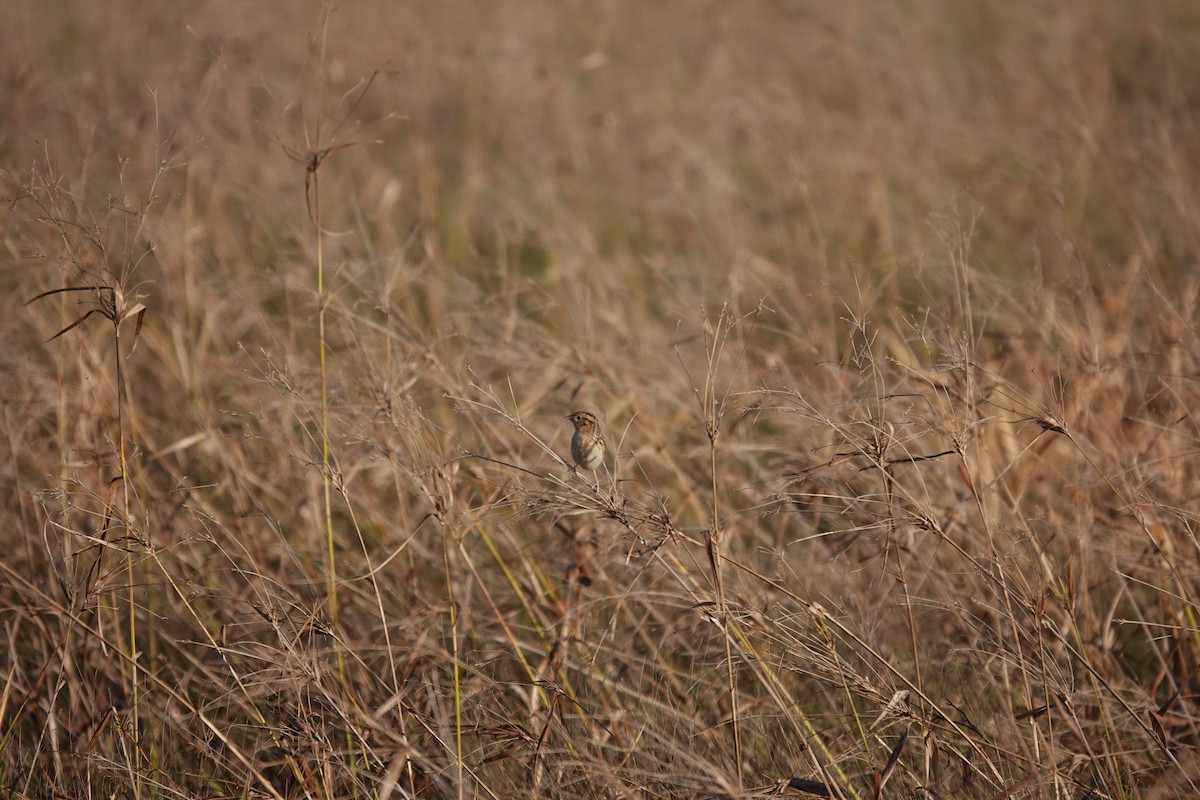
{"x":587,"y":445}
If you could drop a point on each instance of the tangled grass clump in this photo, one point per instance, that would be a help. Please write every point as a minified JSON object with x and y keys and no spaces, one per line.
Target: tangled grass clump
{"x":888,"y":317}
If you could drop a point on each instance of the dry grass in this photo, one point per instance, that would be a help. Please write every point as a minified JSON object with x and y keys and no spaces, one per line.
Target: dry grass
{"x":889,"y":310}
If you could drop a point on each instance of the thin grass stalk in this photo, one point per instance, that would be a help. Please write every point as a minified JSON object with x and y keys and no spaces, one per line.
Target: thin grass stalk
{"x":134,"y":685}
{"x":70,"y":564}
{"x":711,"y":415}
{"x":378,"y":597}
{"x":330,"y":566}
{"x":313,"y":168}
{"x":452,"y":608}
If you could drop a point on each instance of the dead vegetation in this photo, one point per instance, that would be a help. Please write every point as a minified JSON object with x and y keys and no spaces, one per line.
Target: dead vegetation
{"x":888,"y":315}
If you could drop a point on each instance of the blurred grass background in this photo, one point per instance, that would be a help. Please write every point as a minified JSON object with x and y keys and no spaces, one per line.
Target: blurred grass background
{"x":888,"y":312}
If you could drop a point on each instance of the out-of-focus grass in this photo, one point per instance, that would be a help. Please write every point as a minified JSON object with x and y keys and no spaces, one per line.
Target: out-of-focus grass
{"x":888,"y":313}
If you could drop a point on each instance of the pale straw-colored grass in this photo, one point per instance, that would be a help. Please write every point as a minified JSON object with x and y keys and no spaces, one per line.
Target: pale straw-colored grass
{"x":888,"y":314}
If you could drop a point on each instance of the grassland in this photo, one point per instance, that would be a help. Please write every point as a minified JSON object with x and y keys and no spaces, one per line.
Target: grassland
{"x":889,"y":312}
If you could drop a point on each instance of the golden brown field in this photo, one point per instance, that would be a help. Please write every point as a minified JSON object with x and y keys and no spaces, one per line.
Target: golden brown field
{"x":888,"y":312}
